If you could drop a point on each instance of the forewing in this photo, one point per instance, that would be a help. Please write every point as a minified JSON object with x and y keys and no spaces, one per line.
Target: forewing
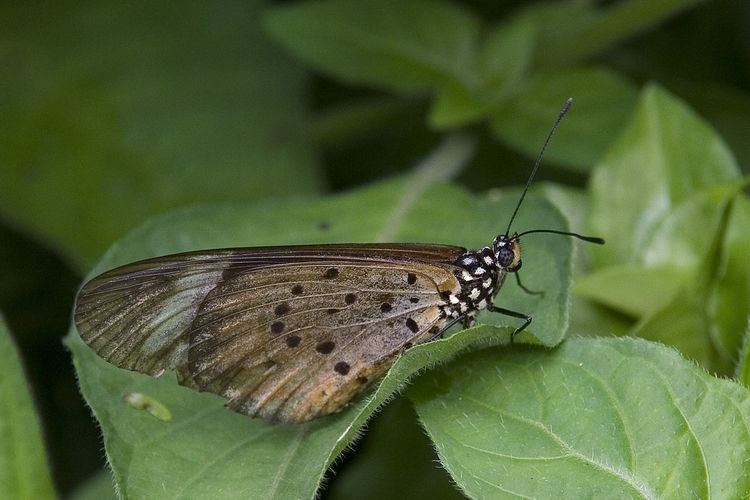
{"x":213,"y":316}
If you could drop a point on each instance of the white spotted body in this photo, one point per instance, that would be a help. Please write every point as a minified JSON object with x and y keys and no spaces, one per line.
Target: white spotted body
{"x":481,"y":277}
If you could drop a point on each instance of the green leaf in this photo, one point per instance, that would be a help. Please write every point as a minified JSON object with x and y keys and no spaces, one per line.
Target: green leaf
{"x":602,"y":102}
{"x":210,"y":451}
{"x":504,"y":60}
{"x":601,"y":29}
{"x":403,"y":46}
{"x":684,"y":236}
{"x":112,"y":114}
{"x":730,"y":302}
{"x":455,"y":106}
{"x":507,"y":52}
{"x":591,"y":319}
{"x":24,"y":473}
{"x":673,"y":215}
{"x":665,"y":155}
{"x":688,"y":321}
{"x":577,"y":15}
{"x":632,"y":290}
{"x":669,"y":262}
{"x":595,"y":418}
{"x":685,"y":324}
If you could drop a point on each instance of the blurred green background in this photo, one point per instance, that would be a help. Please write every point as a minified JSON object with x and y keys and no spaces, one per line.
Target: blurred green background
{"x":114,"y":112}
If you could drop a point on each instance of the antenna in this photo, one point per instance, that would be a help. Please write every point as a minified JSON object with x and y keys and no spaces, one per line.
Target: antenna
{"x":538,"y":161}
{"x":590,"y":239}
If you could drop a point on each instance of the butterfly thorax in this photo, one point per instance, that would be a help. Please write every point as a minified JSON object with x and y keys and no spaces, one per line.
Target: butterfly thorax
{"x":479,"y":277}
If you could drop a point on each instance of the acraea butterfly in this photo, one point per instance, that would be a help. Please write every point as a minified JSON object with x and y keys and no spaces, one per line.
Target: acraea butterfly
{"x":293,"y":333}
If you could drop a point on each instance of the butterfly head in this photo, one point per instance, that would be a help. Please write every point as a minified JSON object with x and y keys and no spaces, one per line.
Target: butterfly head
{"x":507,"y":250}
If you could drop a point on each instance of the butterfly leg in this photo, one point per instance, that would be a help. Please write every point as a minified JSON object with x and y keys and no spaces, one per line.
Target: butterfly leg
{"x":469,"y":320}
{"x":447,"y":327}
{"x":530,"y":292}
{"x":514,"y":314}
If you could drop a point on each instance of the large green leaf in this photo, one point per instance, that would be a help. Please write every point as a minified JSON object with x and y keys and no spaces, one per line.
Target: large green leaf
{"x":24,"y":473}
{"x":404,"y":46}
{"x":208,"y":450}
{"x":115,"y":112}
{"x":664,"y":157}
{"x":596,"y":418}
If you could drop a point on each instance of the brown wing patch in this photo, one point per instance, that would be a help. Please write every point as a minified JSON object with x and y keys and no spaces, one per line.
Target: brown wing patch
{"x":326,"y":347}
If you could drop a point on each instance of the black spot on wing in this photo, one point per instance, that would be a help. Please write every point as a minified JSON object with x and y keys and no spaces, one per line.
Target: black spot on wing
{"x":281,"y":309}
{"x":412,"y":325}
{"x":293,"y":341}
{"x":331,"y":273}
{"x":325,"y":347}
{"x":342,"y":367}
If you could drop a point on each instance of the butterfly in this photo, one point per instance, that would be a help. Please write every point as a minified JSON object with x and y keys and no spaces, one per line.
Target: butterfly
{"x":293,"y":333}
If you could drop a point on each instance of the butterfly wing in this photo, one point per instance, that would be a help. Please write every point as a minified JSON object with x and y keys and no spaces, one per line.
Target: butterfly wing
{"x":285,"y":333}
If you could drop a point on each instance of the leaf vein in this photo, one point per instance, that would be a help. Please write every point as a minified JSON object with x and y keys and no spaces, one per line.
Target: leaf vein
{"x":626,"y":478}
{"x":629,"y":440}
{"x":688,"y":427}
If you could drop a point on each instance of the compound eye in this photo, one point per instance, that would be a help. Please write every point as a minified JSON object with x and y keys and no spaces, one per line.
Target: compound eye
{"x":505,"y":256}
